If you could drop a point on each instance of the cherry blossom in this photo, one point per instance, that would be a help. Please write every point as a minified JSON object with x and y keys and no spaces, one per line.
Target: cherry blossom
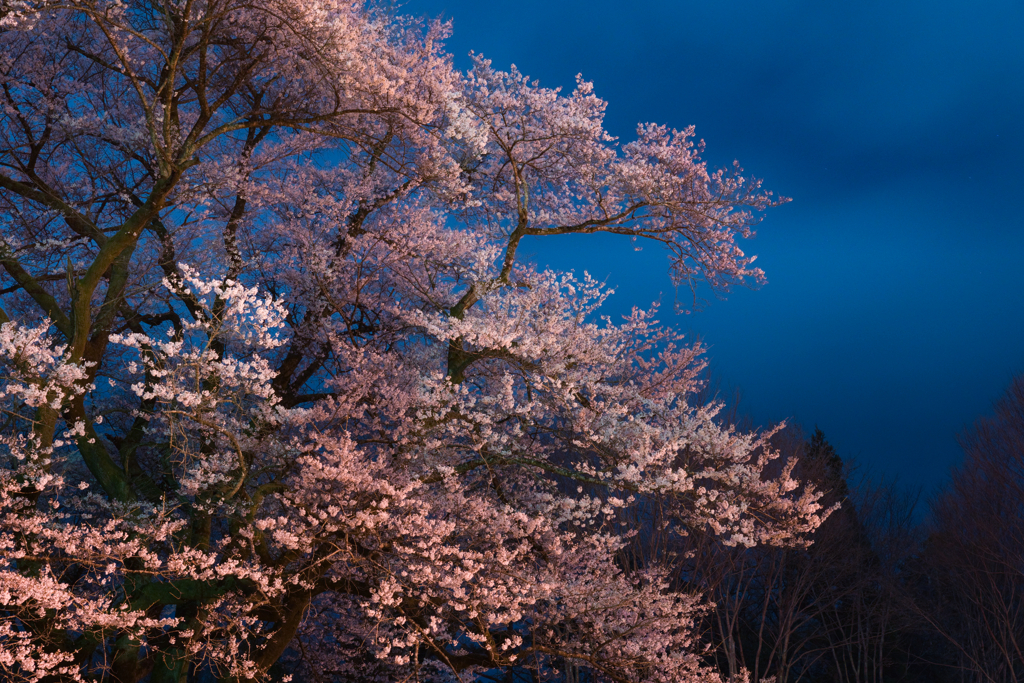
{"x":278,"y":391}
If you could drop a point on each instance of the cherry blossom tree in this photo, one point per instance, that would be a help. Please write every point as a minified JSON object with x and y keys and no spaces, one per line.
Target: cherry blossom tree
{"x":277,"y":385}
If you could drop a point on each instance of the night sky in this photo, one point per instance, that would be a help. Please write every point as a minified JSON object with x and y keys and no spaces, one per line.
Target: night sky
{"x":894,"y":310}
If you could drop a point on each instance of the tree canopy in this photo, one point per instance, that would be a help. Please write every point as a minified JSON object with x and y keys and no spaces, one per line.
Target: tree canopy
{"x":276,"y":382}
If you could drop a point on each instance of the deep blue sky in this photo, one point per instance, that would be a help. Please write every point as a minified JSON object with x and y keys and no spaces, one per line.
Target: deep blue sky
{"x":894,"y":311}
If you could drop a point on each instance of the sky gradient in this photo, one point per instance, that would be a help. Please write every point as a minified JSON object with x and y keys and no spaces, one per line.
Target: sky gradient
{"x":894,"y":310}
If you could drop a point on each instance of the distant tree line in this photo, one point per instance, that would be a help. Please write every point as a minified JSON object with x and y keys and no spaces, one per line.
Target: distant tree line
{"x":885,"y":592}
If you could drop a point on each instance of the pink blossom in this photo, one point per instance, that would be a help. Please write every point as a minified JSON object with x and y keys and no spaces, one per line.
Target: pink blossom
{"x":276,"y":382}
